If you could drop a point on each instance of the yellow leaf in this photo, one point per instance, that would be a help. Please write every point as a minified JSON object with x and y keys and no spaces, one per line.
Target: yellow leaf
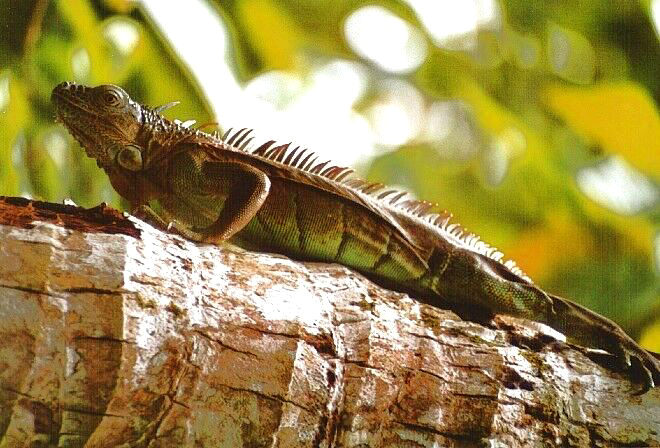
{"x":271,"y":32}
{"x":650,"y":338}
{"x":15,"y":114}
{"x":620,"y":117}
{"x":121,"y":6}
{"x":540,"y":250}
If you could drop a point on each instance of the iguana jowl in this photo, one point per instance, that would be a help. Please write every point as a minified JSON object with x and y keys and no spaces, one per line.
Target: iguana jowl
{"x":280,"y":199}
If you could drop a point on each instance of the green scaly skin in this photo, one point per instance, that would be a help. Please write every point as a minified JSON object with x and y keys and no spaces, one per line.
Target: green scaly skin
{"x":277,"y":199}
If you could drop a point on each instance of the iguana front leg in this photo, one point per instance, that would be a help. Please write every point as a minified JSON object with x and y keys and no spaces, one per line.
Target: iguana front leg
{"x":246,"y":188}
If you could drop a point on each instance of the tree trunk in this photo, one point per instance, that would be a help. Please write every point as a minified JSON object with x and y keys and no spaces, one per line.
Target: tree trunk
{"x":116,"y":334}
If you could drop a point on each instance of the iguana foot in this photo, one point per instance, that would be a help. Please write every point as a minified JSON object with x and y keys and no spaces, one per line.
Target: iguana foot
{"x":624,"y":355}
{"x":148,"y":215}
{"x":640,"y":363}
{"x":590,"y":330}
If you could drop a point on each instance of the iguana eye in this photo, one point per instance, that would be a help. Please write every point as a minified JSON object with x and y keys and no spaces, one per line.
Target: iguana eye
{"x":130,"y":157}
{"x":111,"y":96}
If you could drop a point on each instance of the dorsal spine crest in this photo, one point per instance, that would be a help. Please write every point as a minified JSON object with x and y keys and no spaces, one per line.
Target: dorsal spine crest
{"x":305,"y":160}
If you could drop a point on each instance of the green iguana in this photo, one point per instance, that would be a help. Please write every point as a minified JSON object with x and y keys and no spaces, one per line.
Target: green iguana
{"x":281,"y":199}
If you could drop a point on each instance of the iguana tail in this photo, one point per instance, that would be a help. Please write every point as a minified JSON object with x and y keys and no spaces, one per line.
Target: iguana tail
{"x":472,"y":279}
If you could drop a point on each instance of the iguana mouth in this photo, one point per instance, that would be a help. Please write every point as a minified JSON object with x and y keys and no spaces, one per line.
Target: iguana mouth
{"x":64,"y":96}
{"x":68,"y":112}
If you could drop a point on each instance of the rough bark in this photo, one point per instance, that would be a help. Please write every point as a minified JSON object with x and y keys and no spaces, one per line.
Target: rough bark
{"x":116,"y":334}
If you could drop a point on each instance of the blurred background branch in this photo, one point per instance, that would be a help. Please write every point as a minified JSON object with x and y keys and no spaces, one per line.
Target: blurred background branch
{"x":535,"y":123}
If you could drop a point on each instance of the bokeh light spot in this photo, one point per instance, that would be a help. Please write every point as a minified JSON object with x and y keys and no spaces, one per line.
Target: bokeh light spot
{"x":385,"y":39}
{"x":570,"y":55}
{"x":4,"y":91}
{"x":616,"y":185}
{"x":123,"y":34}
{"x":453,"y":24}
{"x":80,"y":64}
{"x":397,"y":114}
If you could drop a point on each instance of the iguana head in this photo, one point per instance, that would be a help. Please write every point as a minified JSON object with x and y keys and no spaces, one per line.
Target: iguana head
{"x":105,"y":121}
{"x":128,"y":140}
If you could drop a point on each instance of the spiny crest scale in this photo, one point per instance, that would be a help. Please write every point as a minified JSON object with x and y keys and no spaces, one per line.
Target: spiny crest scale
{"x":305,"y":160}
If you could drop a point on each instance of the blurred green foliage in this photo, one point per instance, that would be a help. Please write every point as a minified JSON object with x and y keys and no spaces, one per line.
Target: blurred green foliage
{"x":552,"y":91}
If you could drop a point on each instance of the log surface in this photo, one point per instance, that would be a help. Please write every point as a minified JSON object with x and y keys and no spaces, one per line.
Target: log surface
{"x":116,"y":334}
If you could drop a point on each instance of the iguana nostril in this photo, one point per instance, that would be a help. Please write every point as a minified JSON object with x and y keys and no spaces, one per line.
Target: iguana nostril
{"x":63,"y":86}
